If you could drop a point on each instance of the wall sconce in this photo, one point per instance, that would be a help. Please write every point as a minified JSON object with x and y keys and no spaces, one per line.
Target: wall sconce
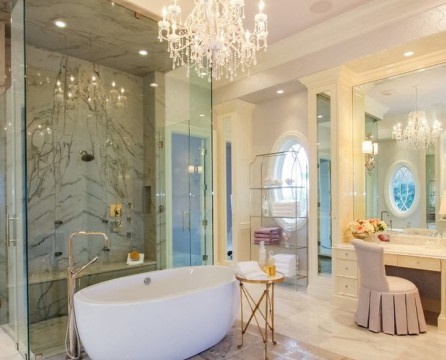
{"x":369,"y":149}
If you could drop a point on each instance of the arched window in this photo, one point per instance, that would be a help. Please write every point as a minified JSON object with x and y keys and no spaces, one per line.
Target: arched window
{"x":292,"y":168}
{"x":402,"y":189}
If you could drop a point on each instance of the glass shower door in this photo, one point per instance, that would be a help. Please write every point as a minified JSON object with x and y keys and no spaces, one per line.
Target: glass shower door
{"x":13,"y":194}
{"x":189,"y":234}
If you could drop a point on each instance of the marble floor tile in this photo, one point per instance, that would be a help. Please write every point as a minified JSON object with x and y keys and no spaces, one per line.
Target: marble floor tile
{"x":306,"y":328}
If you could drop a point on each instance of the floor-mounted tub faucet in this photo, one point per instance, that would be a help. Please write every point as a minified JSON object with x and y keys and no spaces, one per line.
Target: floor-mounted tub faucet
{"x":72,"y":342}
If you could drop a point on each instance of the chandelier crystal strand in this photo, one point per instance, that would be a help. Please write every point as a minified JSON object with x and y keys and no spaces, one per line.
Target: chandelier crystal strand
{"x":417,"y":134}
{"x":213,"y":40}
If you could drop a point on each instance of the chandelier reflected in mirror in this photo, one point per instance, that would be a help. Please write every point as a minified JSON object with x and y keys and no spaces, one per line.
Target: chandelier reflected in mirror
{"x":212,"y":39}
{"x":417,"y":134}
{"x":86,"y":85}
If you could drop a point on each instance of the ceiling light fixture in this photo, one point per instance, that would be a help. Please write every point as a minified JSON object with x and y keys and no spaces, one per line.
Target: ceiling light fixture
{"x":280,"y":91}
{"x":417,"y":134}
{"x":60,"y":24}
{"x":143,"y":52}
{"x":408,"y":53}
{"x":213,"y":37}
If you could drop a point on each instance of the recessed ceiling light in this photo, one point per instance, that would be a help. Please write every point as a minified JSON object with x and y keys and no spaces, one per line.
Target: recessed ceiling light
{"x":320,"y":116}
{"x":143,"y":52}
{"x":60,"y":24}
{"x":154,"y":85}
{"x":201,"y":115}
{"x":408,"y":53}
{"x":280,"y":91}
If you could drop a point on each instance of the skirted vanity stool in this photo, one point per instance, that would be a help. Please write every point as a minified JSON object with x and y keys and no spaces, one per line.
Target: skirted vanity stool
{"x":386,"y":303}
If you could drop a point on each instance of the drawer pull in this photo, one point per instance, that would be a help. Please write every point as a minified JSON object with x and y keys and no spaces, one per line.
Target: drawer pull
{"x":346,"y":286}
{"x":346,"y":268}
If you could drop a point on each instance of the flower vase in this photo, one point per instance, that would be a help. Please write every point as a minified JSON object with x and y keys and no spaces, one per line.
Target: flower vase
{"x":363,"y":236}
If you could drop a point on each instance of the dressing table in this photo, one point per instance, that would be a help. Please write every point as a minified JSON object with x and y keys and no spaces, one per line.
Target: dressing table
{"x":414,"y":252}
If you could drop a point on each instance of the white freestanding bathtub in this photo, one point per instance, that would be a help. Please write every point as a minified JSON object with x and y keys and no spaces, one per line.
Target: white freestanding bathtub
{"x":161,"y":315}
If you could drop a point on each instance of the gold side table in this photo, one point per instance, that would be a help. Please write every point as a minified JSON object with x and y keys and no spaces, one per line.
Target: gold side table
{"x":256,"y":310}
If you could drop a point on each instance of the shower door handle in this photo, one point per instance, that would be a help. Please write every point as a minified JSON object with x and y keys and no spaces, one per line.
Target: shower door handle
{"x":10,"y":241}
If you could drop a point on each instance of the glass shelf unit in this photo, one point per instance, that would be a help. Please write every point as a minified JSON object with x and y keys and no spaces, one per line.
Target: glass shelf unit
{"x":279,"y":203}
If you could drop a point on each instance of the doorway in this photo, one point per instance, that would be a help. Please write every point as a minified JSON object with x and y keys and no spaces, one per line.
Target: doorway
{"x":189,"y":199}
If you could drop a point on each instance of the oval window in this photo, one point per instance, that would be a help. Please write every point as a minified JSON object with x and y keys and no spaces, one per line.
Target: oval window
{"x":402,"y":190}
{"x":292,"y":167}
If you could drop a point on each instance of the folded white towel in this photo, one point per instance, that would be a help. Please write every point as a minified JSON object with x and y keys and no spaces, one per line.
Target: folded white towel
{"x":286,"y":271}
{"x":251,"y":270}
{"x":285,"y":208}
{"x":285,"y":259}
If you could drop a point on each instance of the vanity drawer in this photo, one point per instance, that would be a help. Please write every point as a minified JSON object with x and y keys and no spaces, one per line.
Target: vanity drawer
{"x":347,"y":286}
{"x":419,"y":263}
{"x":346,"y":254}
{"x":347,"y":268}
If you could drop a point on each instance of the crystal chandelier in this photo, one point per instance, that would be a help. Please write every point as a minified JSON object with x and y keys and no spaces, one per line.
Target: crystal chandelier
{"x":87,"y":85}
{"x":417,"y":134}
{"x":212,"y":39}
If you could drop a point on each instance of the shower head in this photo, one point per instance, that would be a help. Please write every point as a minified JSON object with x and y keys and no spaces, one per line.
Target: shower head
{"x":86,"y":156}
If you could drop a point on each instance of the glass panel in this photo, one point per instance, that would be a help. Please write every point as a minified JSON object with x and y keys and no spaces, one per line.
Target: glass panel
{"x":188,"y":169}
{"x":324,"y":182}
{"x":13,"y":313}
{"x":188,"y":154}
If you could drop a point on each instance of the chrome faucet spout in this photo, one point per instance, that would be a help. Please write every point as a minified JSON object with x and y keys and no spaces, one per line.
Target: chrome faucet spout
{"x":76,"y":272}
{"x":84,"y":233}
{"x":388,"y":217}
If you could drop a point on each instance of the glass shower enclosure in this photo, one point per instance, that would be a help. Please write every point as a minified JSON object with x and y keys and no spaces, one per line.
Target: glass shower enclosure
{"x":134,"y":164}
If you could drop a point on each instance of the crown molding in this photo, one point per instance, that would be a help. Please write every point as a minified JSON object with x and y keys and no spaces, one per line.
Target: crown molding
{"x":401,"y":67}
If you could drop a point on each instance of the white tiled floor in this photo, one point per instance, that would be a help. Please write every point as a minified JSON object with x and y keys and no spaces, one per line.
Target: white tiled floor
{"x":322,"y":324}
{"x":8,"y":348}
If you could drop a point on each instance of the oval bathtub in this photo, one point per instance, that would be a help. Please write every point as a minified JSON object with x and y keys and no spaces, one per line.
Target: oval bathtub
{"x":180,"y":313}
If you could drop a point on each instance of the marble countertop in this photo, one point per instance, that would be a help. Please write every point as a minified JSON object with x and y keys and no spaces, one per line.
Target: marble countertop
{"x":427,"y":249}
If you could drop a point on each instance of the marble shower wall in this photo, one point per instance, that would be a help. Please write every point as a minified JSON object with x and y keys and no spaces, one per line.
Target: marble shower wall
{"x":67,"y":194}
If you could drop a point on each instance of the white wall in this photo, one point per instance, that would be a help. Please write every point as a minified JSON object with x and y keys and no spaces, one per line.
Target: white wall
{"x":274,"y":118}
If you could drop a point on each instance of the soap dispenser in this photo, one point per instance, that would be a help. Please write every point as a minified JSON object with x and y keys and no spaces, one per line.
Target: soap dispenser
{"x":262,"y":254}
{"x":270,"y":269}
{"x":271,"y":260}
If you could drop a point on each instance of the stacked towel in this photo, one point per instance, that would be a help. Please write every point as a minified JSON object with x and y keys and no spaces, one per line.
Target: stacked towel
{"x":251,"y":270}
{"x":285,"y":208}
{"x":286,"y":264}
{"x":270,"y":235}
